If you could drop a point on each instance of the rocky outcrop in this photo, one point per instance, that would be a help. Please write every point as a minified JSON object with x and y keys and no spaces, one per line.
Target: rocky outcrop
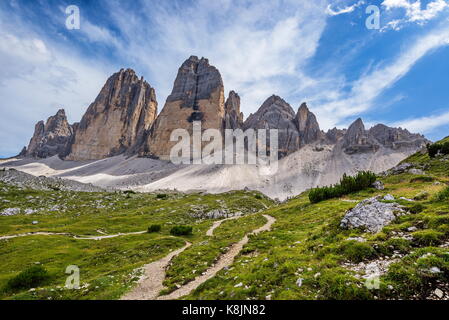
{"x":197,"y":95}
{"x":308,"y":127}
{"x":396,"y":138}
{"x":372,"y":215}
{"x":358,"y":140}
{"x":51,"y":138}
{"x":122,"y":120}
{"x":334,"y":135}
{"x":233,"y":116}
{"x":117,"y":120}
{"x":275,"y":113}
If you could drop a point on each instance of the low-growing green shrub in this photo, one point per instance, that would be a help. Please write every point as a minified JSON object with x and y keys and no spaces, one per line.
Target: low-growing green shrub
{"x":438,"y":148}
{"x":443,"y":195}
{"x":422,"y":179}
{"x":29,"y":278}
{"x":428,"y":237}
{"x":417,"y":208}
{"x":161,"y":196}
{"x":258,"y":196}
{"x":347,"y":185}
{"x":356,"y":251}
{"x":335,"y":284}
{"x":154,"y":228}
{"x":181,"y":230}
{"x":423,"y":195}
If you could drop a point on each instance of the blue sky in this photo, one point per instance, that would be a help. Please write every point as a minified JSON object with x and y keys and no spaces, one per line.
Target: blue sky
{"x":315,"y":51}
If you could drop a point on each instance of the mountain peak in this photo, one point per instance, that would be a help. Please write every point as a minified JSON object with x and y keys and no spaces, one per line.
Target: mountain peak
{"x":50,"y":138}
{"x":123,"y":111}
{"x":307,"y":124}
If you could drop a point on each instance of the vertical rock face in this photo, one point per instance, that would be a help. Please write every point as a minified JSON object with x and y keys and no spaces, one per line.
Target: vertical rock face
{"x":275,"y":113}
{"x":334,"y":135}
{"x":51,"y":138}
{"x":117,"y":120}
{"x":233,"y":116}
{"x":396,"y":138}
{"x":358,"y":140}
{"x":198,"y":95}
{"x":308,"y":127}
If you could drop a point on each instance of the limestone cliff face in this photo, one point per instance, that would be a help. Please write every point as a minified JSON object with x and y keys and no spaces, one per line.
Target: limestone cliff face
{"x":117,"y":120}
{"x":50,"y":138}
{"x":275,"y":113}
{"x":233,"y":116}
{"x":308,"y":127}
{"x":198,"y":95}
{"x":334,"y":135}
{"x":397,"y":138}
{"x":358,"y":140}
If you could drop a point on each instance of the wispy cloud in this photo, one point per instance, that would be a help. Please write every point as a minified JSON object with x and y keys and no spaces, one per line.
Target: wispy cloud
{"x":337,"y":11}
{"x":366,"y":89}
{"x":424,"y":124}
{"x":254,"y":44}
{"x":39,"y":77}
{"x":414,"y":11}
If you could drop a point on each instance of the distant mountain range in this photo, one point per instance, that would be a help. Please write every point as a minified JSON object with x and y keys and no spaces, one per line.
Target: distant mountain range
{"x":124,"y":121}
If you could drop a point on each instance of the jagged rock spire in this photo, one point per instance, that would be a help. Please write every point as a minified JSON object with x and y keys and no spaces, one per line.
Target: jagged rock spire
{"x":197,"y":95}
{"x":50,"y":138}
{"x":308,"y":127}
{"x":233,"y":116}
{"x":118,"y":118}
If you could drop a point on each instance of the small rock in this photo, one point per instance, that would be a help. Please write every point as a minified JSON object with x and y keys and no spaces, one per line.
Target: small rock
{"x":238,"y":285}
{"x":415,"y":171}
{"x":317,"y":275}
{"x":439,"y":293}
{"x":358,"y":239}
{"x":35,"y":222}
{"x":268,"y":297}
{"x":389,"y":197}
{"x":299,"y":282}
{"x":412,"y":229}
{"x":371,"y":214}
{"x":378,"y":185}
{"x":435,"y":270}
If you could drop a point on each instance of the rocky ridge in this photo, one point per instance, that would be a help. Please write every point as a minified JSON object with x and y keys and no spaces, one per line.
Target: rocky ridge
{"x":123,"y":120}
{"x":117,"y":120}
{"x":50,"y":138}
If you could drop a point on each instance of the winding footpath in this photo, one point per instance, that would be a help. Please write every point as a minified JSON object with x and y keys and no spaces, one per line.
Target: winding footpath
{"x":225,"y":260}
{"x":149,"y":286}
{"x":70,"y":235}
{"x":218,"y":223}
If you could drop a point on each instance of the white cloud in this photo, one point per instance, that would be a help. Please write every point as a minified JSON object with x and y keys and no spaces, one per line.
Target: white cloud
{"x":348,"y":9}
{"x":424,"y":124}
{"x":414,"y":12}
{"x":365,"y":90}
{"x":38,"y":78}
{"x":252,"y":42}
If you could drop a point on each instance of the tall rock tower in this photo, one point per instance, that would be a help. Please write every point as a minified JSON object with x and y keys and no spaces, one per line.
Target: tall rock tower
{"x":117,"y":120}
{"x":198,"y":95}
{"x":50,"y":138}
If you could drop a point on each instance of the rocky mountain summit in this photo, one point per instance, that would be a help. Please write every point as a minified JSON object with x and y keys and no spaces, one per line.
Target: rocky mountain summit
{"x":123,"y":119}
{"x":50,"y":138}
{"x":197,"y":95}
{"x":233,"y":116}
{"x":117,"y":120}
{"x":275,"y":113}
